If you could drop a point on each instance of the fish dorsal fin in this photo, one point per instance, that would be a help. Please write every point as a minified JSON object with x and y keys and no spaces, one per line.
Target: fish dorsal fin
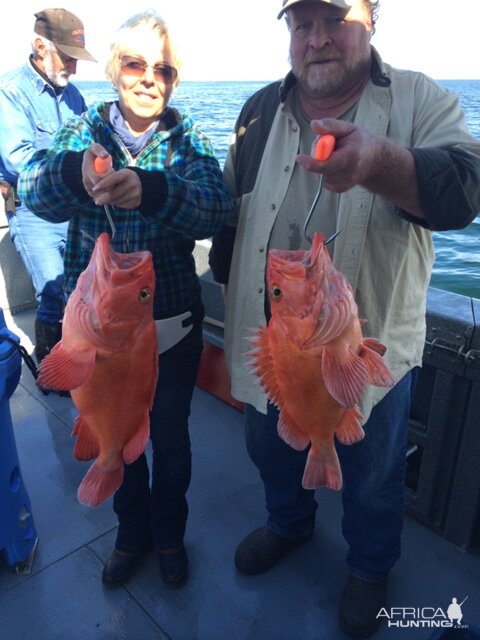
{"x":290,"y":432}
{"x":261,"y":361}
{"x":344,"y":374}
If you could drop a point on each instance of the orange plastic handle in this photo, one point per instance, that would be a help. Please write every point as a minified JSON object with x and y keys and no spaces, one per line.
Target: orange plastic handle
{"x":324,"y":147}
{"x":102,"y":165}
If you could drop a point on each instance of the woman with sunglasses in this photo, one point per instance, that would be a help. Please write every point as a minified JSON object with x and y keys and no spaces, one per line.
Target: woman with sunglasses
{"x":165,"y":191}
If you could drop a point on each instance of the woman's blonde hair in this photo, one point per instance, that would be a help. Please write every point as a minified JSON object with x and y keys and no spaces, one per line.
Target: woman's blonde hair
{"x":148,"y":19}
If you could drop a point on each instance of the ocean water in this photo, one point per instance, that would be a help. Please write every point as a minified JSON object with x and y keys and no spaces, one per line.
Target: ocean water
{"x":215,"y":106}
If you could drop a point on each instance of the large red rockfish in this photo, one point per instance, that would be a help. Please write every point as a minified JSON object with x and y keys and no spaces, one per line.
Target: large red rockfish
{"x":108,"y":358}
{"x":312,"y":359}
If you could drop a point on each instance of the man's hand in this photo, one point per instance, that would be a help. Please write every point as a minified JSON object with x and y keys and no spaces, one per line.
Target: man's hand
{"x":360,"y":158}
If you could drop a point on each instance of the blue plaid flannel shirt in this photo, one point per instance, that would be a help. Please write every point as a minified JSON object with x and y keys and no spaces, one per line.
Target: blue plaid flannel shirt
{"x":184,"y":199}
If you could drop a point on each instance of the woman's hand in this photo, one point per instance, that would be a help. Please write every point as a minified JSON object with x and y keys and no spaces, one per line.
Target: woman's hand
{"x":90,"y":175}
{"x":121,"y":188}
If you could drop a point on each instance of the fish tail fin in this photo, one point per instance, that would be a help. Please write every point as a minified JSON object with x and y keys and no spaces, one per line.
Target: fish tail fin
{"x":322,"y":470}
{"x":378,"y":373}
{"x":98,"y":485}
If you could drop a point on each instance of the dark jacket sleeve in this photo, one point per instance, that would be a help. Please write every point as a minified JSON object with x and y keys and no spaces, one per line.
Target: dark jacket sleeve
{"x":220,"y":256}
{"x":449,"y":184}
{"x":72,"y":174}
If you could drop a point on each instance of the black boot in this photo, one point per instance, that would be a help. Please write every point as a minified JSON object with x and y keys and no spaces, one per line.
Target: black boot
{"x":46,"y":337}
{"x":263,"y":548}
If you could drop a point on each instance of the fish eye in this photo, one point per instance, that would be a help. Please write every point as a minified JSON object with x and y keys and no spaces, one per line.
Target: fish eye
{"x":144,"y":295}
{"x":276,"y":293}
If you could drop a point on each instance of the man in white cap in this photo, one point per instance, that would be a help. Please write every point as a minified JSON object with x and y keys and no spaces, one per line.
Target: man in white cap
{"x":404,"y":165}
{"x":34,"y":101}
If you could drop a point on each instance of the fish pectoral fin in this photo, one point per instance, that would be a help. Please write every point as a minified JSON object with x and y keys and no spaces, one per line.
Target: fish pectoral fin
{"x":378,"y":373}
{"x":86,"y":445}
{"x":98,"y":485}
{"x":136,"y":445}
{"x":322,"y":470}
{"x":350,"y":429}
{"x":66,"y":368}
{"x":290,"y":433}
{"x":345,"y":375}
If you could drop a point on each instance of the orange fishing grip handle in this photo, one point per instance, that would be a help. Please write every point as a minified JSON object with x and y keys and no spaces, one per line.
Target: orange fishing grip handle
{"x":102,"y":165}
{"x":324,"y":147}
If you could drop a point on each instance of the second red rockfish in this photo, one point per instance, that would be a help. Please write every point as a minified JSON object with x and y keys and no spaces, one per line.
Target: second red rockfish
{"x":108,"y":358}
{"x":312,"y":359}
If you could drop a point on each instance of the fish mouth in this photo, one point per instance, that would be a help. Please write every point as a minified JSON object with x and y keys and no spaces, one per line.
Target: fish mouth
{"x":127,"y":270}
{"x":291,"y":264}
{"x":294,"y":263}
{"x":122,"y":268}
{"x":318,"y":246}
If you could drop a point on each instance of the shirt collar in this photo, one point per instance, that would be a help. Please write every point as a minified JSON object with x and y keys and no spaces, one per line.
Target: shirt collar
{"x":40,"y":79}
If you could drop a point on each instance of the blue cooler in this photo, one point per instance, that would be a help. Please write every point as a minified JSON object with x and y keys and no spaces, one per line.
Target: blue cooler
{"x":17,"y":531}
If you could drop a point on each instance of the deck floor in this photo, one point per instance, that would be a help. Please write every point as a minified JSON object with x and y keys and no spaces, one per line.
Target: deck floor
{"x":63,"y":597}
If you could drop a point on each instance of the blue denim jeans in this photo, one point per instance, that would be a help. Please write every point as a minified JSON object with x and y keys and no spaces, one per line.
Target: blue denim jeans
{"x":373,"y":474}
{"x":41,"y":246}
{"x":155,"y":510}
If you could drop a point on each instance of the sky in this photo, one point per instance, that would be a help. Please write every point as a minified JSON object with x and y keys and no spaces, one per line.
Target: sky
{"x":227,"y":40}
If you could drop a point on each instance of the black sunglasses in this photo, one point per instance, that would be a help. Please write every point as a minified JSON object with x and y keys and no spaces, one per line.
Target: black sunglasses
{"x":137,"y":68}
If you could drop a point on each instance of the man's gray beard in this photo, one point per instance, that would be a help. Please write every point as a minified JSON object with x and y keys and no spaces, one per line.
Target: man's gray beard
{"x":325,"y":88}
{"x":55,"y":77}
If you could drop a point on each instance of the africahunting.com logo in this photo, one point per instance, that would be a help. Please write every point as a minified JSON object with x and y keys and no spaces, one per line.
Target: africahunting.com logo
{"x":424,"y":617}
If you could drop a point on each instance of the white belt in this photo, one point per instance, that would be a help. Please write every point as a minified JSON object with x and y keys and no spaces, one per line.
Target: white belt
{"x":172,"y":330}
